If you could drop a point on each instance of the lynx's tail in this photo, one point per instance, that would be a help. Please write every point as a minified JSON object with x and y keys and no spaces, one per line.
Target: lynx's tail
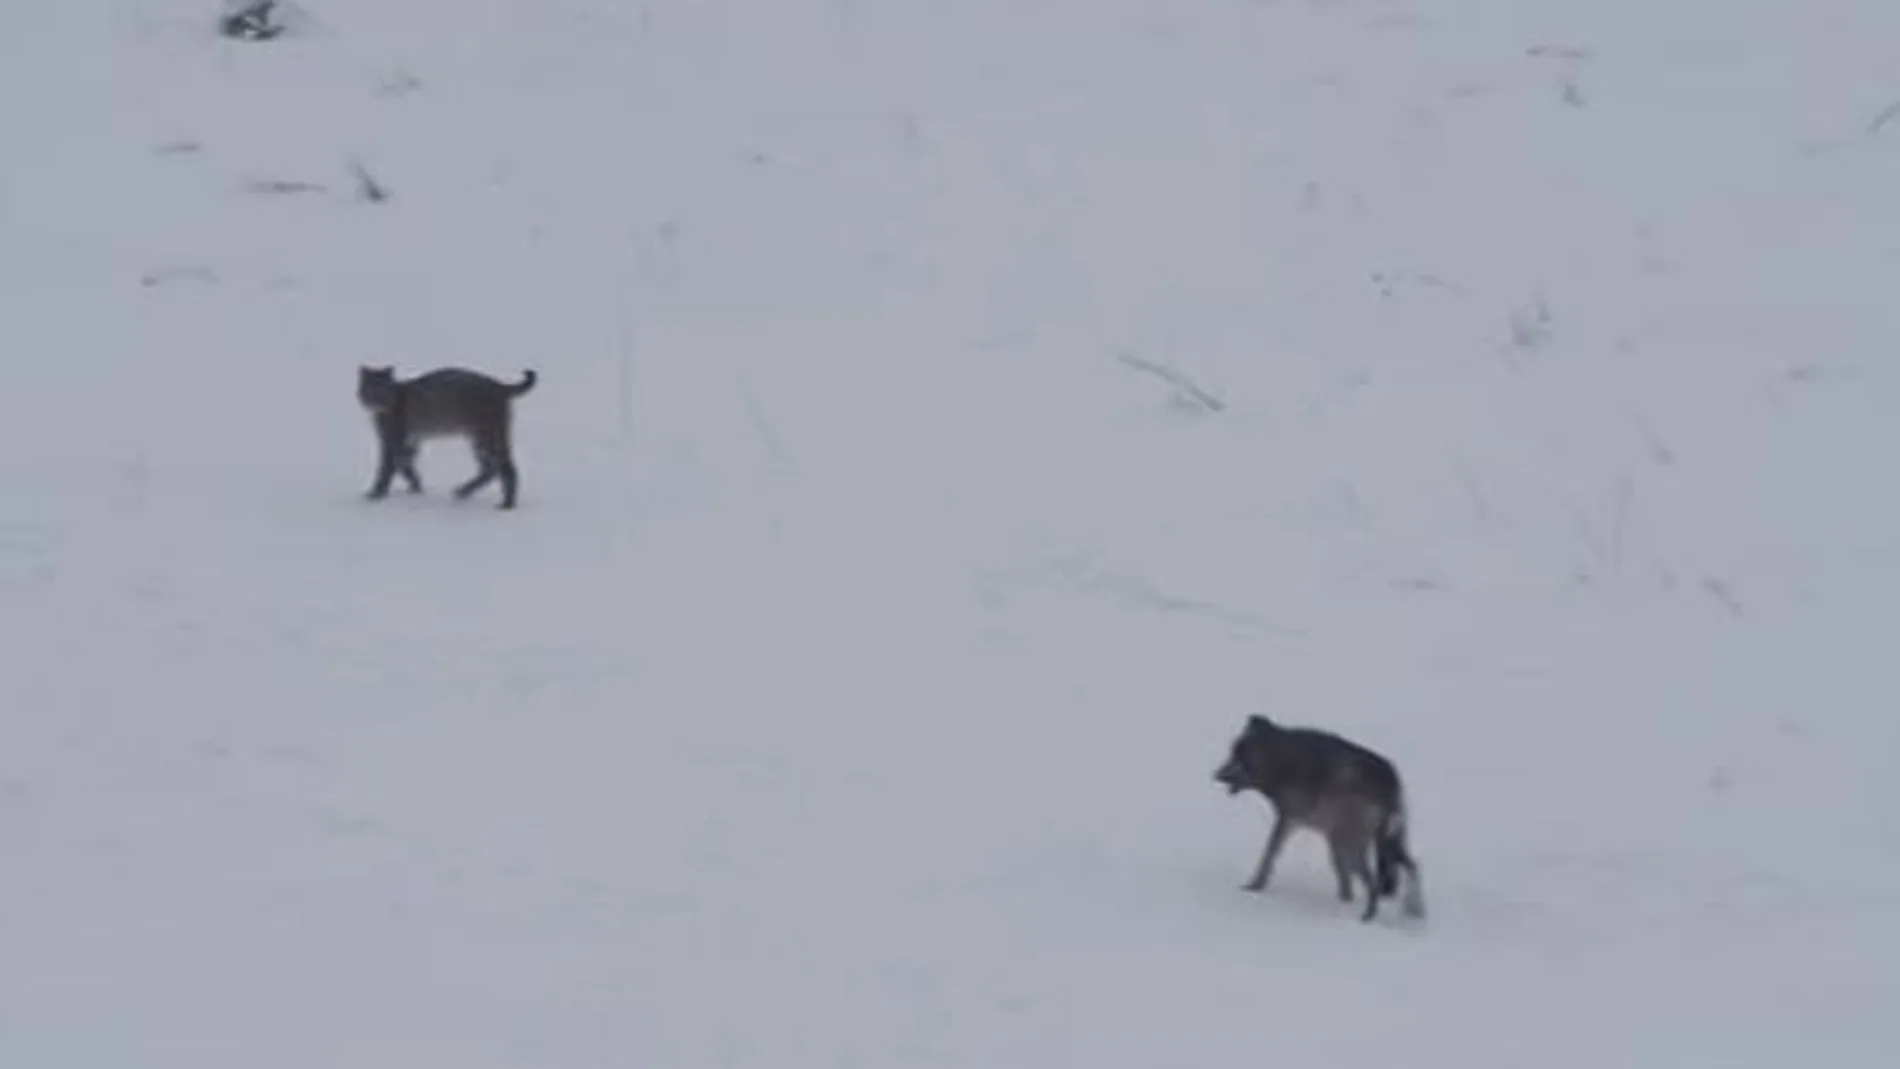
{"x":526,"y":384}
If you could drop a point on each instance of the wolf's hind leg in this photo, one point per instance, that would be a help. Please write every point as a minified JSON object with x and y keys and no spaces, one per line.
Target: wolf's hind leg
{"x":1348,"y":857}
{"x":1413,"y":904}
{"x":1361,"y":862}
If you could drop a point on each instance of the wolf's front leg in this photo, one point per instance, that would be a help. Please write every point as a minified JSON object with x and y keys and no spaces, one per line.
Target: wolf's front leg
{"x":1276,"y":839}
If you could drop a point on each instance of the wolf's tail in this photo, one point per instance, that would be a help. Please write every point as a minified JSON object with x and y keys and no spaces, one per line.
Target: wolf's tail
{"x":526,"y":384}
{"x":1391,"y":855}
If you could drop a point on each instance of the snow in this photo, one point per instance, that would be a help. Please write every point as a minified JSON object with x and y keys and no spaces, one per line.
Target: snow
{"x":846,"y":690}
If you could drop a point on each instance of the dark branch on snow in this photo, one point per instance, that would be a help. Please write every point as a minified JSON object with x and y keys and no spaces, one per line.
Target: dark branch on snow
{"x":367,"y":187}
{"x":254,"y":21}
{"x":1176,"y":379}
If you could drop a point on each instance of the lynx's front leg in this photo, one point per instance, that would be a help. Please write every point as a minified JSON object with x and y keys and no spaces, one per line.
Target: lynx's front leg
{"x":386,"y":467}
{"x":395,"y":455}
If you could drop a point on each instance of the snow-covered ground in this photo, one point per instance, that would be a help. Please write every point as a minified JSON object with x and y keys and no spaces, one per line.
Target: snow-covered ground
{"x":846,"y":690}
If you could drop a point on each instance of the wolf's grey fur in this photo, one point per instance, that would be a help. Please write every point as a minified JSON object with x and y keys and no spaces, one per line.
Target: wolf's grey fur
{"x":447,"y":402}
{"x":1346,"y":792}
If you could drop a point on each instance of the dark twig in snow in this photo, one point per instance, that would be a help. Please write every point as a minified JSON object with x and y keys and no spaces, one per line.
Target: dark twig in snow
{"x":279,"y":186}
{"x":253,"y":21}
{"x":1174,"y":378}
{"x":1887,"y":115}
{"x":996,"y":586}
{"x":183,"y":272}
{"x":367,"y":188}
{"x":1560,"y":51}
{"x":1531,"y":326}
{"x":397,"y":84}
{"x":1621,"y":502}
{"x":1587,"y":534}
{"x":1724,"y":595}
{"x":1138,"y":592}
{"x":1480,"y":507}
{"x":773,"y":444}
{"x":1659,"y":451}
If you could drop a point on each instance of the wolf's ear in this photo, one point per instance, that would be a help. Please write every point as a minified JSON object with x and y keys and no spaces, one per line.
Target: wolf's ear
{"x":1256,"y":722}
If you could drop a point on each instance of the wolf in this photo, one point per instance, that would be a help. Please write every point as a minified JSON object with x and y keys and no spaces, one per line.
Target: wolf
{"x":1346,"y":792}
{"x":446,"y":402}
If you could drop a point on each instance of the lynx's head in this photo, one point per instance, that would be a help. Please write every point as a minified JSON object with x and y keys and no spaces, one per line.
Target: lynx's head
{"x":376,"y":388}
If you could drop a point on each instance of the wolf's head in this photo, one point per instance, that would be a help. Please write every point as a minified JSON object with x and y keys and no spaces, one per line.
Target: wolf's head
{"x":1238,"y":774}
{"x":376,"y":387}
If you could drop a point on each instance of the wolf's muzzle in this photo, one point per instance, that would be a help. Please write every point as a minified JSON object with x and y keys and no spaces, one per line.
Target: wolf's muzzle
{"x":1231,"y":776}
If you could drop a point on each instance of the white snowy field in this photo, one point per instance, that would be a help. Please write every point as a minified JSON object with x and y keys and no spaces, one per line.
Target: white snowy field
{"x":846,"y":690}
